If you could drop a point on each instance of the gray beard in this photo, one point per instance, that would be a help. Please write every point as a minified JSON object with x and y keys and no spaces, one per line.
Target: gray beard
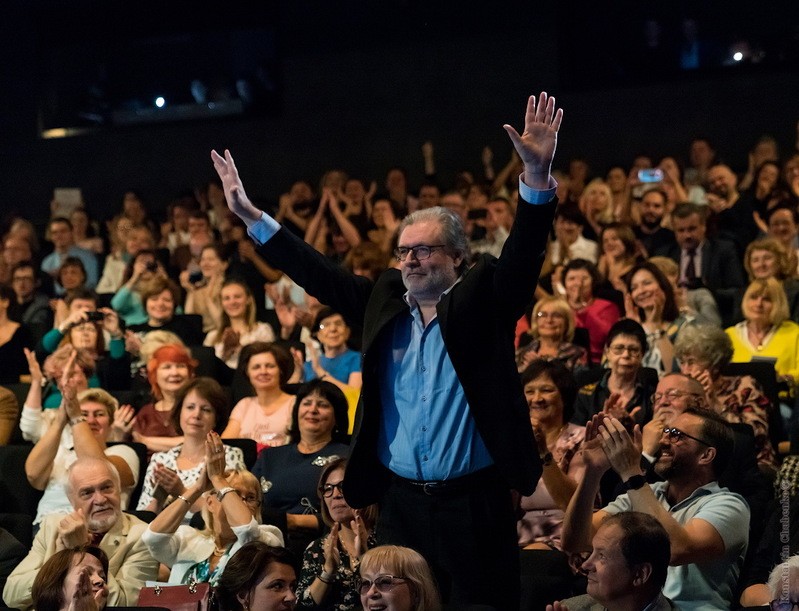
{"x":102,"y":526}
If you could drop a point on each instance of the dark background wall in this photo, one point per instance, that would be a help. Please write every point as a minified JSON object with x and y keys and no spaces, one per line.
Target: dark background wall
{"x":363,"y":88}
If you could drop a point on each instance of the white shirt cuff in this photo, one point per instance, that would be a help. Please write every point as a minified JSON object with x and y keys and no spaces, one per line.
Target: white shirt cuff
{"x":263,"y":229}
{"x":534,"y":196}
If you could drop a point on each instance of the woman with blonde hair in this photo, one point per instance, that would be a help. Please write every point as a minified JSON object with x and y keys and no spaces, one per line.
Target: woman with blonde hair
{"x":550,"y":335}
{"x":231,"y":511}
{"x":768,"y":258}
{"x":398,"y":578}
{"x":767,"y":332}
{"x":596,"y":204}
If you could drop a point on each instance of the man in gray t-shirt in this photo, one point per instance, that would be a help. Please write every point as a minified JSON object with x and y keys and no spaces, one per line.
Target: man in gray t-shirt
{"x":708,"y":526}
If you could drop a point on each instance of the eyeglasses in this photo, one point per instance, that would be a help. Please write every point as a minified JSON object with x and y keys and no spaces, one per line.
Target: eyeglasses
{"x":338,"y":324}
{"x":549,"y":315}
{"x":383,"y":583}
{"x":250,"y":501}
{"x":620,"y":349}
{"x":420,"y":253}
{"x":783,"y":605}
{"x":675,"y":435}
{"x":327,"y":489}
{"x":671,"y":395}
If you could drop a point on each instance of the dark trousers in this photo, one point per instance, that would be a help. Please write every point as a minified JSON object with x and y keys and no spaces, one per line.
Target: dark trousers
{"x":467,"y":535}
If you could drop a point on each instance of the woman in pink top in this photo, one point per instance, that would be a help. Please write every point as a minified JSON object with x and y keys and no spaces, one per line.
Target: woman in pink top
{"x":264,"y":417}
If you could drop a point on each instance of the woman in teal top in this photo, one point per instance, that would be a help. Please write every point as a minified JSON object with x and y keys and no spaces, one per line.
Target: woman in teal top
{"x":127,"y":300}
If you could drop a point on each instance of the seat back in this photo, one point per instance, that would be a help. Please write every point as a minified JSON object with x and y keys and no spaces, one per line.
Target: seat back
{"x":16,"y":494}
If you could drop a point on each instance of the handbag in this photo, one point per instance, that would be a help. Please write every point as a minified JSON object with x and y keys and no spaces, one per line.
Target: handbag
{"x":194,"y":596}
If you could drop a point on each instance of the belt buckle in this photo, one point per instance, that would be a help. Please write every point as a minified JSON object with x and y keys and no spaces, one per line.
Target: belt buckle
{"x":430,"y":488}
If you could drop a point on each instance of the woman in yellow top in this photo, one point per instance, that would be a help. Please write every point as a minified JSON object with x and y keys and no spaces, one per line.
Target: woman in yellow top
{"x":767,"y":333}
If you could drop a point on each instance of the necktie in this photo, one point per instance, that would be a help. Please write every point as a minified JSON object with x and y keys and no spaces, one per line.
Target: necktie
{"x":690,"y":271}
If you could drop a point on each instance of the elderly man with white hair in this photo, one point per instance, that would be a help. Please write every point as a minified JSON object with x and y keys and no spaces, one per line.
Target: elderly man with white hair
{"x":93,"y":489}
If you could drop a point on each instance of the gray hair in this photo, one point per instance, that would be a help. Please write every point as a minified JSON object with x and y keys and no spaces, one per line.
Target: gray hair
{"x":453,"y":233}
{"x":704,"y":342}
{"x":88,"y":460}
{"x":783,"y":582}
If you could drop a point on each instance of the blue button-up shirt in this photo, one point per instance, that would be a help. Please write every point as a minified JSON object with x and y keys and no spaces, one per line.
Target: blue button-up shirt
{"x":426,"y":431}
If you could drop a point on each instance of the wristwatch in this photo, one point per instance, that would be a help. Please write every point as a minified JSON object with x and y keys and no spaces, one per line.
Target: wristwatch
{"x":634,"y":483}
{"x":546,"y":459}
{"x":221,"y":494}
{"x":76,"y":420}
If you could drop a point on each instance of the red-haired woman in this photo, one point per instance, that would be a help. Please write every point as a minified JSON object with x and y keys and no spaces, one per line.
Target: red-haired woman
{"x":170,"y":367}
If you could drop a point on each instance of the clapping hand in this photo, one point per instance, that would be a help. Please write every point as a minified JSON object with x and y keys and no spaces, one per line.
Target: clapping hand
{"x":330,"y":550}
{"x":33,"y":367}
{"x":622,"y":451}
{"x":124,"y":421}
{"x":615,"y":408}
{"x":215,"y":460}
{"x":591,"y":449}
{"x":166,"y":478}
{"x":361,"y":537}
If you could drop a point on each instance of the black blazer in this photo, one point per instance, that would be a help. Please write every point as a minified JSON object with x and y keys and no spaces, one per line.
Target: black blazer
{"x":477,"y":319}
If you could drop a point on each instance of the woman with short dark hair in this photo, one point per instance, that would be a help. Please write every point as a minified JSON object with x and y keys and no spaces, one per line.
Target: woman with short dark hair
{"x":200,"y":407}
{"x":289,"y":474}
{"x":329,"y":575}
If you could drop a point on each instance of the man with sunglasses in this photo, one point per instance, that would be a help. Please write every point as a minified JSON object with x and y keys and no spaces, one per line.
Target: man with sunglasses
{"x":708,"y":525}
{"x":442,"y":433}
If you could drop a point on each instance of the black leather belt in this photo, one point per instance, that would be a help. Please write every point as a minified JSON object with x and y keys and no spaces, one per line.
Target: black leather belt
{"x":448,"y":487}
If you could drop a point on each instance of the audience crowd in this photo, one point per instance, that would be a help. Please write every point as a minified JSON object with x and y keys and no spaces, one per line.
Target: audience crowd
{"x":189,"y":405}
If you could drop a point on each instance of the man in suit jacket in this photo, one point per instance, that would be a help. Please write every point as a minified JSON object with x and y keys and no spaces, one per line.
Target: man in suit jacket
{"x":705,"y":262}
{"x":442,"y":432}
{"x":94,"y":490}
{"x":627,"y":567}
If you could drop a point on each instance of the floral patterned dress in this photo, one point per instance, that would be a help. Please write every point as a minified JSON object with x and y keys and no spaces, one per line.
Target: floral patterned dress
{"x":741,"y":399}
{"x":342,"y":594}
